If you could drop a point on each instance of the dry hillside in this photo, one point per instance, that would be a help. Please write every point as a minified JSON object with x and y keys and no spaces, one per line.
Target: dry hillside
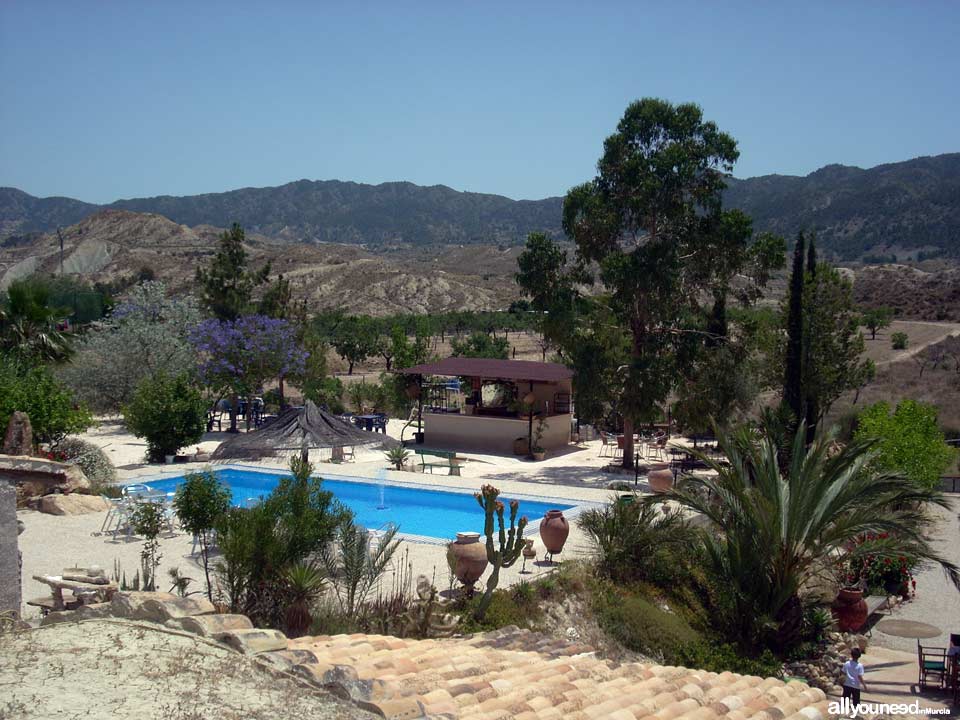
{"x":115,"y":243}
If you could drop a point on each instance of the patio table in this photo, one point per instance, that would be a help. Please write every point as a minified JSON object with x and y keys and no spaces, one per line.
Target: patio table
{"x":365,"y":421}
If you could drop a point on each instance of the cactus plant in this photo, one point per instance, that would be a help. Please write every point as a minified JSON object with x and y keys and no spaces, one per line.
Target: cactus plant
{"x":510,"y":543}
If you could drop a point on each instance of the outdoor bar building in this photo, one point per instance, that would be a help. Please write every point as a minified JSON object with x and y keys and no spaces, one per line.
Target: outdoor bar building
{"x":487,"y":405}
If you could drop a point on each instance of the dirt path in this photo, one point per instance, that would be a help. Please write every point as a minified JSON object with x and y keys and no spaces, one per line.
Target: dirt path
{"x":950,"y":330}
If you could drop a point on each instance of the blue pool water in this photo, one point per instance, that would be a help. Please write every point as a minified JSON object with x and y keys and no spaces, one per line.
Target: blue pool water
{"x":431,"y":513}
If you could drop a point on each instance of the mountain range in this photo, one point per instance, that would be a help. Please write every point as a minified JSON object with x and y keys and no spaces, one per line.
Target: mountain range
{"x":898,"y":209}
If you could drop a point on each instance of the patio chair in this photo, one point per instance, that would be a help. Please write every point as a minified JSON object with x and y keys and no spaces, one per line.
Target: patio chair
{"x":380,"y":423}
{"x":606,"y":443}
{"x":618,"y":450}
{"x":657,"y":450}
{"x":933,"y":661}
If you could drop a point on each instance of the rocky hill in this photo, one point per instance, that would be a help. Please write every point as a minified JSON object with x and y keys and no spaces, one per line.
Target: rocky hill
{"x":319,"y":211}
{"x":911,"y":292}
{"x":897,"y":209}
{"x":113,"y":244}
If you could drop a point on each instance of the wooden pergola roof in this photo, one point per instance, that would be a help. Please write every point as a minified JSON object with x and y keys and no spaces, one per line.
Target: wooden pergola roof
{"x":493,"y":369}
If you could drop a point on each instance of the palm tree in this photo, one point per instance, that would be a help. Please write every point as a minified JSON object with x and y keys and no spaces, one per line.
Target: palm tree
{"x":28,"y":324}
{"x":771,"y":534}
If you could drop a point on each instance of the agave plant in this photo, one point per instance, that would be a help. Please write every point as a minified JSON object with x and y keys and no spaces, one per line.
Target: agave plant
{"x":398,"y":456}
{"x":304,"y":584}
{"x":772,"y":533}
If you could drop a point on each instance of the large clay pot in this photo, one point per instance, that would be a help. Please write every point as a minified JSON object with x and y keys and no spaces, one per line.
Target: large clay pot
{"x":471,"y":557}
{"x":850,"y":610}
{"x":660,"y":481}
{"x":554,"y":530}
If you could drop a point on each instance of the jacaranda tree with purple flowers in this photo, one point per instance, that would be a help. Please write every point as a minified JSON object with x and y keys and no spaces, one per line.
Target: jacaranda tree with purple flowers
{"x":241,"y":355}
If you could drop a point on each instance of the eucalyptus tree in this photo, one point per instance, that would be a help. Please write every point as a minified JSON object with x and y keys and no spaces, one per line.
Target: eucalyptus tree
{"x":652,"y":224}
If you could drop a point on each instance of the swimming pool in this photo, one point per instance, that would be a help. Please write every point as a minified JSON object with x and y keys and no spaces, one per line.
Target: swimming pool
{"x":419,"y":511}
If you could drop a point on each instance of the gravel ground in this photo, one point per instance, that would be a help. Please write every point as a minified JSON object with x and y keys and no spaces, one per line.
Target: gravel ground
{"x":115,"y":669}
{"x":937,"y":601}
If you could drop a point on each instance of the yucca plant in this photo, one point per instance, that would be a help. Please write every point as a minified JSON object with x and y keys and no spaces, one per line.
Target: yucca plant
{"x":304,"y":584}
{"x":771,"y":534}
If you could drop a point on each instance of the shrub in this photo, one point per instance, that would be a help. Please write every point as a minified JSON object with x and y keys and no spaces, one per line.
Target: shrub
{"x":723,"y":657}
{"x":899,"y":340}
{"x":325,"y":392}
{"x":91,"y":459}
{"x":147,"y":521}
{"x":634,"y":540}
{"x":909,"y":440}
{"x":200,"y":502}
{"x":639,"y":625}
{"x":259,"y":544}
{"x":53,"y":411}
{"x":169,"y":412}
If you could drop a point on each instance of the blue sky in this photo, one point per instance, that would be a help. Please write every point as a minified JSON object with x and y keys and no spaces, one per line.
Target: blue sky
{"x":103,"y":100}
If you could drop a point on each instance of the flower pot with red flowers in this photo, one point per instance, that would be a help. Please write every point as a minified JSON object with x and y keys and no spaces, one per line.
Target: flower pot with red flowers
{"x":877,"y":565}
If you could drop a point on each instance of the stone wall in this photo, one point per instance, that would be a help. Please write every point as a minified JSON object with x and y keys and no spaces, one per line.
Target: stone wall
{"x":9,"y":549}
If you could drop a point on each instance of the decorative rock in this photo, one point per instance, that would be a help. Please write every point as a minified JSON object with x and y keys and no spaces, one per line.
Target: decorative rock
{"x":160,"y":610}
{"x":94,"y":610}
{"x":73,"y":504}
{"x":210,"y":625}
{"x":128,"y":604}
{"x":18,"y":439}
{"x":252,"y":642}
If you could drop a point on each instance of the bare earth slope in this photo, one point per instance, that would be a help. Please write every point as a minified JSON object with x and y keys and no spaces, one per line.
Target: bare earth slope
{"x":117,"y":669}
{"x":115,"y":243}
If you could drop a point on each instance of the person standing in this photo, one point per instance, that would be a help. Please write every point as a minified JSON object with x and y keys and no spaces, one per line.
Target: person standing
{"x":853,"y":677}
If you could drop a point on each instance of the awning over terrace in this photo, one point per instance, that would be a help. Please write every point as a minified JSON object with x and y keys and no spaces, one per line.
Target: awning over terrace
{"x":493,"y":369}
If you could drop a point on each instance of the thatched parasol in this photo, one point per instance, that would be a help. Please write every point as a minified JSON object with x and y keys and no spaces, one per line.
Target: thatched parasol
{"x":296,"y":431}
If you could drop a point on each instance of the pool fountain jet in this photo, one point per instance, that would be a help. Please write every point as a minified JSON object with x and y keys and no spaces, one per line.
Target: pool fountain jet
{"x":381,"y":486}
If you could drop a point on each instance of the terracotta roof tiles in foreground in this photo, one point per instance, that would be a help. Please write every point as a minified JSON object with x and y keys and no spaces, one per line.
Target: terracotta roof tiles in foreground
{"x":519,"y":675}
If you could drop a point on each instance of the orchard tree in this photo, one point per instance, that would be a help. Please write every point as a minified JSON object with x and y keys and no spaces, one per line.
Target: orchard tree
{"x":480,"y":345}
{"x":356,"y":338}
{"x":875,"y":319}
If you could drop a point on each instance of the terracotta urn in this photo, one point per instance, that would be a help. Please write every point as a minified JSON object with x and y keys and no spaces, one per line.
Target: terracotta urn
{"x":554,"y":530}
{"x":850,"y":610}
{"x":660,"y":481}
{"x":470,"y":556}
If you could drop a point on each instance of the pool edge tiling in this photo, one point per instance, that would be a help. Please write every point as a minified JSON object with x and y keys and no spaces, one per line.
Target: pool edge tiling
{"x":571,"y":507}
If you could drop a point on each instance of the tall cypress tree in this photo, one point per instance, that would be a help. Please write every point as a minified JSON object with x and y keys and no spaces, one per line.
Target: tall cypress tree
{"x":810,"y":385}
{"x":793,"y":396}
